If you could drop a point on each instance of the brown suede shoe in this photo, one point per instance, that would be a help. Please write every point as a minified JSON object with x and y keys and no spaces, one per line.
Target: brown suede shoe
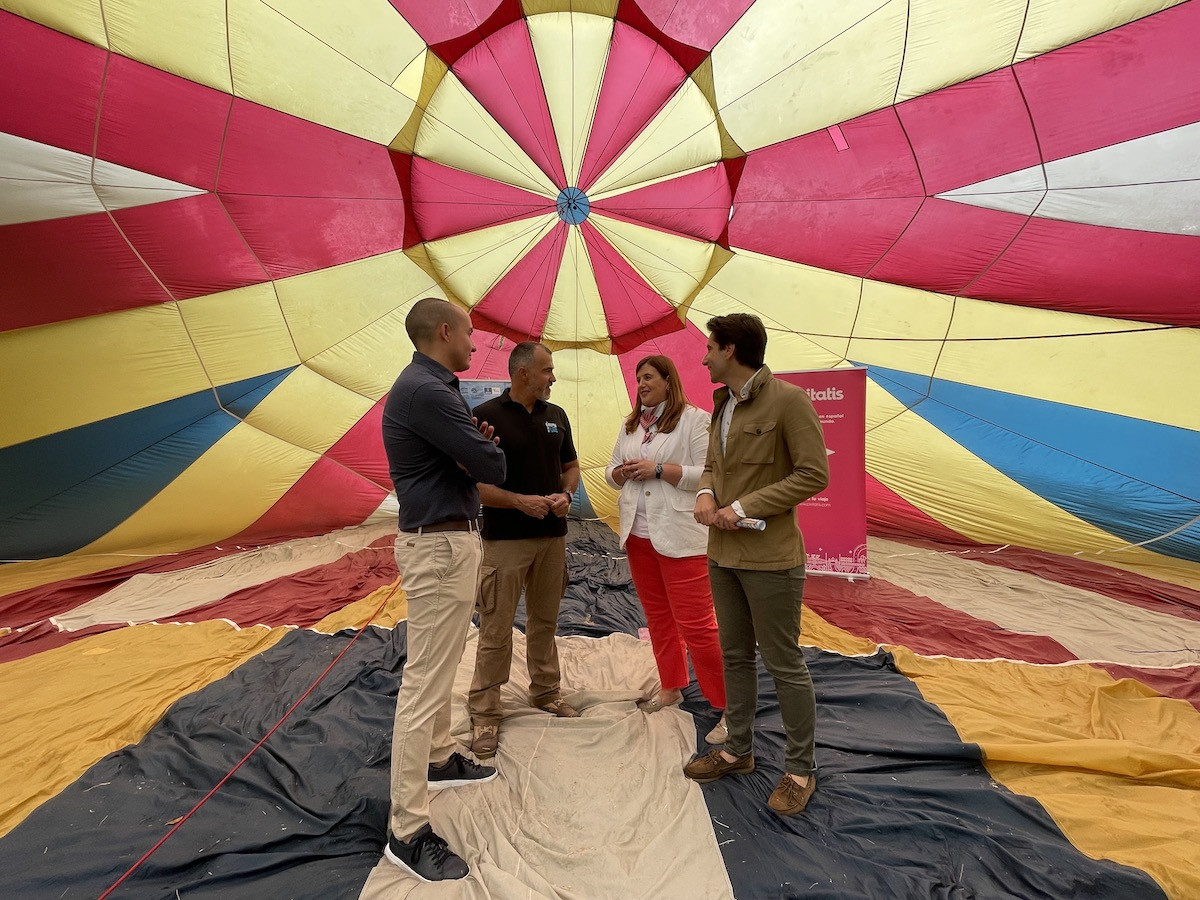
{"x":789,"y":798}
{"x":713,"y":765}
{"x":560,"y":708}
{"x":484,"y":741}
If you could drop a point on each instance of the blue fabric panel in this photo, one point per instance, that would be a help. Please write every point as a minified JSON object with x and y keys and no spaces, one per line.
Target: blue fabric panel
{"x":241,"y":397}
{"x":1131,"y":478}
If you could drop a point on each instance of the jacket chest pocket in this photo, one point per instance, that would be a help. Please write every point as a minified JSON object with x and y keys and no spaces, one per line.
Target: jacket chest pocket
{"x":757,"y":443}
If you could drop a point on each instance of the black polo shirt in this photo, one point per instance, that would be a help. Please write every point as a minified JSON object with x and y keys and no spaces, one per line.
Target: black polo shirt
{"x":536,"y":446}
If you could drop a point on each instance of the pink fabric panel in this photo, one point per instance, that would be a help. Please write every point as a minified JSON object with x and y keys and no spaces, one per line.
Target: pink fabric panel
{"x":159,"y":123}
{"x":502,"y":74}
{"x":361,"y":451}
{"x":51,"y":85}
{"x":518,"y":303}
{"x":696,"y":205}
{"x":190,"y":245}
{"x":696,"y":24}
{"x":269,"y":152}
{"x":634,"y":311}
{"x":448,"y":201}
{"x":445,"y":21}
{"x":887,"y":510}
{"x":947,"y":246}
{"x":490,"y":360}
{"x":70,"y":268}
{"x":293,"y":235}
{"x":1100,"y":271}
{"x":639,"y":77}
{"x":1126,"y":83}
{"x":969,"y":132}
{"x":686,"y":348}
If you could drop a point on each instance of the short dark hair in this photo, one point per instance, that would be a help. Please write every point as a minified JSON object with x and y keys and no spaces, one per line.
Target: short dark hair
{"x":745,"y":332}
{"x":522,"y":356}
{"x":425,"y":318}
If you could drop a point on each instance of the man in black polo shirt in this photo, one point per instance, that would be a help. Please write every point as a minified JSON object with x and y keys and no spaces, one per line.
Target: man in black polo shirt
{"x":524,"y":542}
{"x":436,"y":454}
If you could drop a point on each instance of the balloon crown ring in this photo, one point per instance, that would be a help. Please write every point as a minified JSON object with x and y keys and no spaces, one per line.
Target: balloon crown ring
{"x":573,"y":206}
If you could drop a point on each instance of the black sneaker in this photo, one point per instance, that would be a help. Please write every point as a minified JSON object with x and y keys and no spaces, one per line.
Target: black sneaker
{"x":426,"y":855}
{"x":458,"y":772}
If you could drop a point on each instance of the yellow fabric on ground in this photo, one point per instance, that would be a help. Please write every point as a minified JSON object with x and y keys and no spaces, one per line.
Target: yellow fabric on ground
{"x":100,"y":694}
{"x":357,"y":614}
{"x":1090,"y":749}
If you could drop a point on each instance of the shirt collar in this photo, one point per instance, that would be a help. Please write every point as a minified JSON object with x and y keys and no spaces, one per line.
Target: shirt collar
{"x":435,"y":367}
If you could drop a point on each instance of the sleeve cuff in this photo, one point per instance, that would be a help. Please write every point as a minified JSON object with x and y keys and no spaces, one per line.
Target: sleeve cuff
{"x":737,"y":508}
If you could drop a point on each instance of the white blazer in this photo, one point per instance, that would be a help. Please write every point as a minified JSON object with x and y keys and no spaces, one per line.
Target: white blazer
{"x":669,"y":509}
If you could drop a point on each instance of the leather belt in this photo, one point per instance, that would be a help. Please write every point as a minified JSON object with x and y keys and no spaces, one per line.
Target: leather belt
{"x":457,"y":525}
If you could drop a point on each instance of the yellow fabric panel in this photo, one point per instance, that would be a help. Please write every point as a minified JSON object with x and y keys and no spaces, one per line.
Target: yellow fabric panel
{"x":78,"y":18}
{"x":900,"y":327}
{"x":571,"y":51}
{"x":950,"y":41}
{"x":1051,"y":24}
{"x":280,"y":65}
{"x":784,"y":70}
{"x":366,"y":291}
{"x":369,"y":32}
{"x":239,"y":333}
{"x":682,"y":137}
{"x":309,"y":411}
{"x":102,"y":693}
{"x":458,"y":132}
{"x":673,"y":265}
{"x":89,"y":369}
{"x":217,"y":496}
{"x":368,"y":361}
{"x":419,"y":80}
{"x":184,"y":37}
{"x":1089,"y":749}
{"x":576,"y":312}
{"x":471,"y":263}
{"x":1089,"y":366}
{"x":356,"y":615}
{"x":809,"y":312}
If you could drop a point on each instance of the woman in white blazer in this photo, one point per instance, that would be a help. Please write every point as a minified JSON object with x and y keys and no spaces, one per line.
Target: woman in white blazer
{"x":656,"y":462}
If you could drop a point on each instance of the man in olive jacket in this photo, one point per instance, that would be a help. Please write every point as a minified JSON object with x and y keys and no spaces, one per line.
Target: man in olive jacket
{"x":766,"y":454}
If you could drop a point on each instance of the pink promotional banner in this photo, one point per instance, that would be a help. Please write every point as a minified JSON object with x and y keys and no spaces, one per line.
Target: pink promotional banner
{"x":835,"y":521}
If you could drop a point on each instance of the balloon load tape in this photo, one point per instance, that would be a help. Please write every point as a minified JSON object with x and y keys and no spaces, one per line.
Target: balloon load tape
{"x":753,"y":524}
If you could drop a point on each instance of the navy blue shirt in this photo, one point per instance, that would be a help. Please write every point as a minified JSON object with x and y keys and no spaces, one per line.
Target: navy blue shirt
{"x":430,"y":441}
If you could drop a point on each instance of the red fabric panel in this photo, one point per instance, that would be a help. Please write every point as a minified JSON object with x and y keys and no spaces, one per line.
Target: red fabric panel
{"x":639,"y":78}
{"x":1100,"y":271}
{"x":293,"y":235}
{"x":695,"y":205}
{"x":51,"y":85}
{"x":635,"y":312}
{"x":696,"y":24}
{"x":686,"y":348}
{"x":361,"y":450}
{"x":159,"y":123}
{"x":887,"y":614}
{"x":70,"y":268}
{"x":690,"y":58}
{"x":304,"y":598}
{"x":190,"y":245}
{"x":447,"y":201}
{"x":269,"y":152}
{"x":947,"y":245}
{"x":518,"y":303}
{"x":482,"y":17}
{"x":41,"y":637}
{"x":326,"y":497}
{"x":490,"y":360}
{"x":1181,"y":683}
{"x":888,"y":511}
{"x":502,"y":74}
{"x":438,"y":22}
{"x":1135,"y":80}
{"x":969,"y":132}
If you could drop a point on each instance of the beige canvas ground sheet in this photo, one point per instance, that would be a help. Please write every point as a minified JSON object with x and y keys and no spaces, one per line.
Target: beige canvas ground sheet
{"x":542,"y":830}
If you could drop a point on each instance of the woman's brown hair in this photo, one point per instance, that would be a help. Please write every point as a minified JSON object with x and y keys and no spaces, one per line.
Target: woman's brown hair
{"x":677,"y":400}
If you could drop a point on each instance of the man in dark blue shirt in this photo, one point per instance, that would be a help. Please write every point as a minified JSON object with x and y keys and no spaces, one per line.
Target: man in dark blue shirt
{"x":437,"y":454}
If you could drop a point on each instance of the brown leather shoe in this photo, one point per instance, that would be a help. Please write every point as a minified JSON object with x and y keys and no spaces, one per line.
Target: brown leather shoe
{"x":484,"y":741}
{"x":789,"y":798}
{"x":560,"y":708}
{"x":713,"y":765}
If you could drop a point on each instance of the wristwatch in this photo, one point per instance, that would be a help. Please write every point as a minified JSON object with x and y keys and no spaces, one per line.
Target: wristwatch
{"x":658,"y":471}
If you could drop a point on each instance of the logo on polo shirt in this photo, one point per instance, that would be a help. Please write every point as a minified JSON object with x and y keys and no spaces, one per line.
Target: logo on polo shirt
{"x":551,"y":428}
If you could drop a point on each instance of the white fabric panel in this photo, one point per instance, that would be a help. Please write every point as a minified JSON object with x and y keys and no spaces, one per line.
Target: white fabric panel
{"x":1150,"y":184}
{"x":39,"y":182}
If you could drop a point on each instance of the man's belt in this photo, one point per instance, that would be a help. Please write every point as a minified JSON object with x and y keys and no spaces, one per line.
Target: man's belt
{"x":456,"y":525}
